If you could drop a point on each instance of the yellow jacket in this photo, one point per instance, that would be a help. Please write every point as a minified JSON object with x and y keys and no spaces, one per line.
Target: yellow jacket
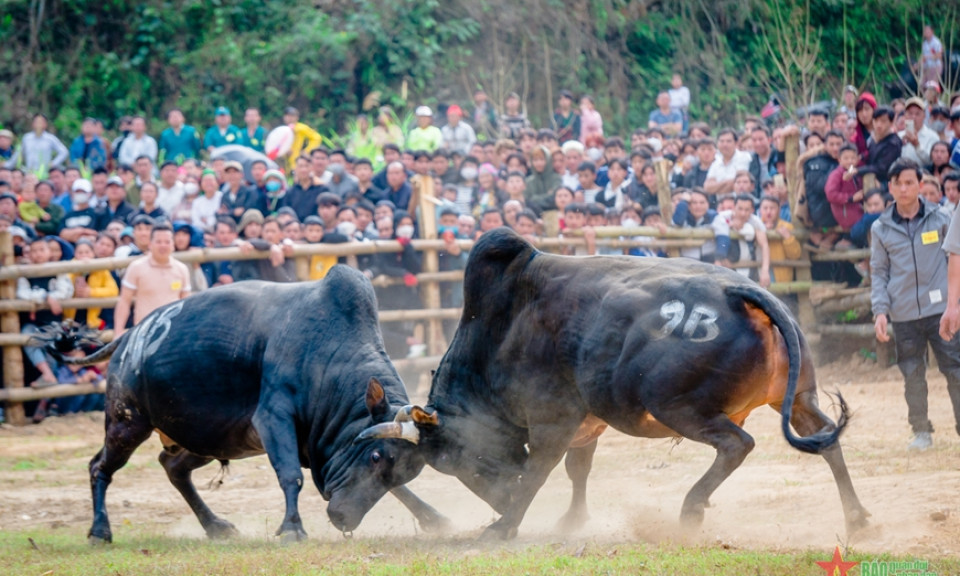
{"x":320,"y":264}
{"x":102,"y":285}
{"x":305,"y":139}
{"x":788,"y":249}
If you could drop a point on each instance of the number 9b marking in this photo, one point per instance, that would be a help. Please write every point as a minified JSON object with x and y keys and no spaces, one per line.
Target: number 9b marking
{"x":700,"y":316}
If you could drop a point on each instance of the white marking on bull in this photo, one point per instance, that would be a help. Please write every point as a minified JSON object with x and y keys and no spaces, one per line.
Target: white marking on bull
{"x":150,"y":335}
{"x":701,"y":315}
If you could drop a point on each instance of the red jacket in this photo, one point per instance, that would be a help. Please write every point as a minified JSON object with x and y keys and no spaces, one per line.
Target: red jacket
{"x":840,"y":196}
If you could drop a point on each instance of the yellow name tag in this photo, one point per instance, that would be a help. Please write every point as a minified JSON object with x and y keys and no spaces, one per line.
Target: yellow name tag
{"x":176,"y":285}
{"x":930,"y":237}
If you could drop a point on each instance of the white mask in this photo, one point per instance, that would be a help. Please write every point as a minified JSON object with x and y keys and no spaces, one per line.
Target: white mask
{"x":468,"y":173}
{"x":191,"y":189}
{"x":629,"y":223}
{"x":80,"y":197}
{"x":405,"y":231}
{"x":346,"y":228}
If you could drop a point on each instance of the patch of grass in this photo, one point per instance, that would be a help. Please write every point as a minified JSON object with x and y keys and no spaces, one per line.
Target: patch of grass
{"x":23,"y":464}
{"x":66,"y":553}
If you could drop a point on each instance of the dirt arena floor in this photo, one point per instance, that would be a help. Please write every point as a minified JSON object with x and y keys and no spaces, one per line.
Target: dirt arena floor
{"x":779,"y":498}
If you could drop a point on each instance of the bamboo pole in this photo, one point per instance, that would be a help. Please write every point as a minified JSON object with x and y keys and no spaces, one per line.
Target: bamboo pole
{"x":10,"y":325}
{"x":842,"y":256}
{"x":430,"y":291}
{"x":799,"y":288}
{"x":662,"y":168}
{"x":791,"y":151}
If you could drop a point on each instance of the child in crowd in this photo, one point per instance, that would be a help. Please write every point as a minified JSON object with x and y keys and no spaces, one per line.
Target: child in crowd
{"x":313,"y":233}
{"x":843,"y":189}
{"x":874,"y":202}
{"x":73,"y":374}
{"x":575,"y":217}
{"x":516,"y":186}
{"x":30,"y":211}
{"x":96,"y":284}
{"x":587,"y":176}
{"x":526,"y":225}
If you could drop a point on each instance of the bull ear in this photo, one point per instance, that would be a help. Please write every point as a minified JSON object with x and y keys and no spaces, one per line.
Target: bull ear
{"x":422,"y":418}
{"x":377,"y":401}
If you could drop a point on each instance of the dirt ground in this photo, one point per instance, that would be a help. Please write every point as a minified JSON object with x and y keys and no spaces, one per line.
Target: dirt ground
{"x":779,"y":498}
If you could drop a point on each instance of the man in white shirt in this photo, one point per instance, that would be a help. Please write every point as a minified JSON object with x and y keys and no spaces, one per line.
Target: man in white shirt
{"x":679,"y":99}
{"x":458,"y":136}
{"x":170,"y":190}
{"x":724,"y":169}
{"x":137,"y":144}
{"x":918,"y":138}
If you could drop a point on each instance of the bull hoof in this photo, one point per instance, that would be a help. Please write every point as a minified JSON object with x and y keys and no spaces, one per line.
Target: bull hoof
{"x":572,"y":521}
{"x":220,"y":530}
{"x":497,"y":532}
{"x":436,"y":524}
{"x":292,"y":536}
{"x":691,"y":518}
{"x":857,"y":520}
{"x":99,"y":542}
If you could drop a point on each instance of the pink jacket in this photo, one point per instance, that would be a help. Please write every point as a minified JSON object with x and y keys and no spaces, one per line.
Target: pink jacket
{"x":591,"y":125}
{"x":840,"y":196}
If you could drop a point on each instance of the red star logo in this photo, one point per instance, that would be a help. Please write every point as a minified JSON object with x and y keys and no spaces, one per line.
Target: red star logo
{"x":837,"y":567}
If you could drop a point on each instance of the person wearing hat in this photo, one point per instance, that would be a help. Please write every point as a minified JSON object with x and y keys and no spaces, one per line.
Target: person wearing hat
{"x":305,"y":138}
{"x":138,"y":143}
{"x":9,"y":156}
{"x":81,"y":221}
{"x":566,"y":119}
{"x":917,"y":137}
{"x":238,"y":197}
{"x":88,"y":147}
{"x":116,"y":207}
{"x":425,"y":136}
{"x":222,"y":132}
{"x":275,"y":184}
{"x":179,"y":140}
{"x":9,"y":207}
{"x":458,"y":136}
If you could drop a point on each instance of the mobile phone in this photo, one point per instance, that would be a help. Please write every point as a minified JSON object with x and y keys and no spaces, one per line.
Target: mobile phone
{"x":778,"y":180}
{"x":911,"y":128}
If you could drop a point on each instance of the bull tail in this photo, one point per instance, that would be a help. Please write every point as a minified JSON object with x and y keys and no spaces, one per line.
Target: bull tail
{"x":778,"y":314}
{"x":58,"y":339}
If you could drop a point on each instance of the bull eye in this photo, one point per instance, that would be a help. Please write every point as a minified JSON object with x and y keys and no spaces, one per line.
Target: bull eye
{"x":375,"y":457}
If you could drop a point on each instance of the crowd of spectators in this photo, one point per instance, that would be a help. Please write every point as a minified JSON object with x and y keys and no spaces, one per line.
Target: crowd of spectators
{"x":102,"y":197}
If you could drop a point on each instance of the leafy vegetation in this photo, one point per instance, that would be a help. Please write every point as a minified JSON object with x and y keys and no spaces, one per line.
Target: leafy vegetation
{"x":112,"y":57}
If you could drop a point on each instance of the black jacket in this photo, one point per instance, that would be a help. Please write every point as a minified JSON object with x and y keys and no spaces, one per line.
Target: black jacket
{"x":104,"y":215}
{"x":302,"y":200}
{"x":882,"y":155}
{"x":815,"y":174}
{"x":755,"y":169}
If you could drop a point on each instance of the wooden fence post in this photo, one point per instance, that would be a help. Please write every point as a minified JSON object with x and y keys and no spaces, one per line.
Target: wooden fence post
{"x":663,"y":197}
{"x":805,"y":313}
{"x":10,"y":324}
{"x":430,"y":291}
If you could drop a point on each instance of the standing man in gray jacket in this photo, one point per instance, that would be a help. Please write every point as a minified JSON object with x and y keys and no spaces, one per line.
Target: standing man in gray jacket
{"x":908,"y":271}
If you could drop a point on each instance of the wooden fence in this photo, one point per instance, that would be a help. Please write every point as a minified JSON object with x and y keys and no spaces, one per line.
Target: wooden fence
{"x":672,"y":240}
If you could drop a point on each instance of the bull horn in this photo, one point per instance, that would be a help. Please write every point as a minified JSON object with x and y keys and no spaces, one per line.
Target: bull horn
{"x":404,"y":414}
{"x":403,"y":430}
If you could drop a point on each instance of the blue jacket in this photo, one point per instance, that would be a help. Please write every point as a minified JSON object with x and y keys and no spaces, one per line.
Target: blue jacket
{"x":93,"y":153}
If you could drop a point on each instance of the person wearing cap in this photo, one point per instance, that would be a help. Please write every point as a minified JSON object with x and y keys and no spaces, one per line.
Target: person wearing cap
{"x":305,"y":138}
{"x":179,"y":141}
{"x":237,"y":196}
{"x":40,"y":148}
{"x":88,"y":148}
{"x":566,"y":119}
{"x":138,"y":143}
{"x":81,"y":221}
{"x":425,"y":136}
{"x":457,"y":135}
{"x":9,"y":156}
{"x":917,"y":137}
{"x":116,"y":206}
{"x":223,"y":132}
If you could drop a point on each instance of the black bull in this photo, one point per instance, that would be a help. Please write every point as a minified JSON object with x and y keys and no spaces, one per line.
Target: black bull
{"x":292,"y":370}
{"x":551,"y":349}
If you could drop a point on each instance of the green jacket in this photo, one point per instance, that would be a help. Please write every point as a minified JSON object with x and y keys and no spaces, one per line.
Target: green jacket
{"x":186,"y":144}
{"x":52,"y":226}
{"x":215,"y":139}
{"x":541,"y":187}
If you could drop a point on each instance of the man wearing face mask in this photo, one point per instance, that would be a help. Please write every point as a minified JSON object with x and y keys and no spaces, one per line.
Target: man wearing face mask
{"x":275,"y":185}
